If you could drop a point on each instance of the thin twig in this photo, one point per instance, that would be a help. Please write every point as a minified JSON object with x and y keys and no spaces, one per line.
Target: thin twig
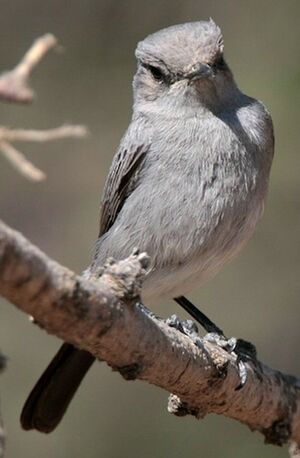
{"x":14,"y":88}
{"x":58,"y":133}
{"x":14,"y":85}
{"x":34,"y":55}
{"x":20,"y":163}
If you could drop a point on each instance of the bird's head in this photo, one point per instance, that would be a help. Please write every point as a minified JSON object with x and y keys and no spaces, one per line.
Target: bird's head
{"x":183,"y":67}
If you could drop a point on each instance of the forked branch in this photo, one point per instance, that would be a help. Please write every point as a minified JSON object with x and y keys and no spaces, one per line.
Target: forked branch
{"x":14,"y":87}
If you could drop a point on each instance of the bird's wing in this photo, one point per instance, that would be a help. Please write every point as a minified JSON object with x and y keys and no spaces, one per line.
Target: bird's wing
{"x":122,"y":179}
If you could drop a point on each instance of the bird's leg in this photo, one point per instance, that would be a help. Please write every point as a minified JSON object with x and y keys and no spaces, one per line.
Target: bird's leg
{"x":199,"y":316}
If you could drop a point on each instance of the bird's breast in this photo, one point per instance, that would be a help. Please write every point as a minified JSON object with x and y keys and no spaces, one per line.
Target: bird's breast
{"x":209,"y":194}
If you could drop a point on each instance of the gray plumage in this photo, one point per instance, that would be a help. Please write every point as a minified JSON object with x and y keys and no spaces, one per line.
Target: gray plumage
{"x":187,"y":185}
{"x":189,"y":180}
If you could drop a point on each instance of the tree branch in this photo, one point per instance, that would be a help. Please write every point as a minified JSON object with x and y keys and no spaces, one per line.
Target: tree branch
{"x":101,"y":315}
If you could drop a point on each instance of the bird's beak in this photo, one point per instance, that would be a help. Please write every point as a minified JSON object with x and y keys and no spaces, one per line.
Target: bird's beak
{"x":200,"y":71}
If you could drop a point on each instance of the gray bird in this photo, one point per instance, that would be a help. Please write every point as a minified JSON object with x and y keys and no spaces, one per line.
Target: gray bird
{"x":187,"y":185}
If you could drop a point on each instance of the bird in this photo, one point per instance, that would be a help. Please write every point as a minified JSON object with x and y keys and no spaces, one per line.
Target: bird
{"x":187,"y":185}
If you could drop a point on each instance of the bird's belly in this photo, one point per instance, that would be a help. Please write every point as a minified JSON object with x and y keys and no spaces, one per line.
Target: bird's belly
{"x":219,"y":248}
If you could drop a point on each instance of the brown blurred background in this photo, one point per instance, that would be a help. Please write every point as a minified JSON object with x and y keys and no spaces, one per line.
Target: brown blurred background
{"x":256,"y":297}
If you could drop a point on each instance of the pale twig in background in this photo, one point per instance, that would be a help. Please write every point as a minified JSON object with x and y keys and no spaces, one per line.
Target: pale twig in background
{"x":20,"y":163}
{"x":18,"y":160}
{"x":66,"y":131}
{"x":14,"y":87}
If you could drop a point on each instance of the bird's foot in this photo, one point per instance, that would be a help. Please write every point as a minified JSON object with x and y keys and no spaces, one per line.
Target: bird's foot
{"x":187,"y":327}
{"x":241,"y":349}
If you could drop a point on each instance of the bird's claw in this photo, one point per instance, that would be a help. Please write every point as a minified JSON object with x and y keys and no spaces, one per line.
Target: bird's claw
{"x":187,"y":327}
{"x":242,"y":350}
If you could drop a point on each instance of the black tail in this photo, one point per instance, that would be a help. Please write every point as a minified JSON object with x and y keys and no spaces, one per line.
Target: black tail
{"x":50,"y":397}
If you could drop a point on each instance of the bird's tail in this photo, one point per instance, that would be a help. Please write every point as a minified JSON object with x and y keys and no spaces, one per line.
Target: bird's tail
{"x":50,"y":397}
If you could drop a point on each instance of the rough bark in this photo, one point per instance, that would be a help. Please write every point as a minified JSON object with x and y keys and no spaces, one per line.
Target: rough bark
{"x":102,"y":316}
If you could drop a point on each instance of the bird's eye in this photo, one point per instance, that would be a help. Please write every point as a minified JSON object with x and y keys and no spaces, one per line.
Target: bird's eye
{"x":219,"y":64}
{"x":156,"y":72}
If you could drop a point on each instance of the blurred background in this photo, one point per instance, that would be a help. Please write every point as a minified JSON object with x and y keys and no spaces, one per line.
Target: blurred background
{"x":256,"y":297}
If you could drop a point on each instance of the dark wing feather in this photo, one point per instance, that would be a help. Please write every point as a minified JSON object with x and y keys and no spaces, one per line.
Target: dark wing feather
{"x":121,"y":181}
